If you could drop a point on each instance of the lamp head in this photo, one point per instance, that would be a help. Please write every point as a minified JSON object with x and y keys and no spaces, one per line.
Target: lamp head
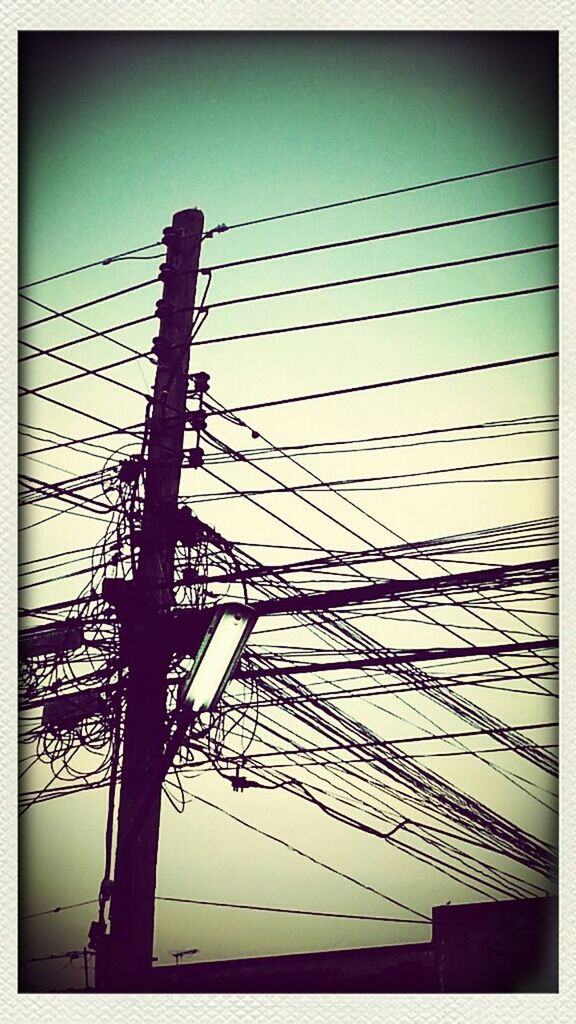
{"x":218,"y":654}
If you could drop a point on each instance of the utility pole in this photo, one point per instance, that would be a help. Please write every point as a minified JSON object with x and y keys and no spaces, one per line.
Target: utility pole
{"x":86,"y":975}
{"x":124,"y":957}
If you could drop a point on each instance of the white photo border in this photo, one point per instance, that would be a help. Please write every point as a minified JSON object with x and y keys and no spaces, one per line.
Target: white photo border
{"x":281,"y":15}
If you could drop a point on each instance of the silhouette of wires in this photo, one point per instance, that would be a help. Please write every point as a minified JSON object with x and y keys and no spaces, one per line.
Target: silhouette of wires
{"x":402,"y":190}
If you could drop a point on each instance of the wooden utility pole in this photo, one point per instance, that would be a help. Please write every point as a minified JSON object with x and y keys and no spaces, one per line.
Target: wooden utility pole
{"x":86,"y":975}
{"x":124,"y":957}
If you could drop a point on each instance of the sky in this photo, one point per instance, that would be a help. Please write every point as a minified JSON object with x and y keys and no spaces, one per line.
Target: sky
{"x":117,"y":132}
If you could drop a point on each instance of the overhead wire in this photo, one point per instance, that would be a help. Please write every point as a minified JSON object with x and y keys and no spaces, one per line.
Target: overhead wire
{"x":417,"y":378}
{"x":464,"y":807}
{"x":88,"y":266}
{"x":309,"y":857}
{"x":57,"y":314}
{"x":57,"y":910}
{"x":66,"y":491}
{"x":406,"y":271}
{"x":355,"y":533}
{"x":391,"y":192}
{"x":286,"y":910}
{"x":387,"y":314}
{"x":409,"y":439}
{"x":87,"y":415}
{"x":372,"y":737}
{"x":58,"y":512}
{"x":292,"y":527}
{"x":384,"y":689}
{"x":71,"y":442}
{"x":89,"y":337}
{"x":54,"y":555}
{"x":34,"y":433}
{"x":79,"y":323}
{"x":403,"y":739}
{"x":346,"y":484}
{"x":85,"y":372}
{"x":397,"y":233}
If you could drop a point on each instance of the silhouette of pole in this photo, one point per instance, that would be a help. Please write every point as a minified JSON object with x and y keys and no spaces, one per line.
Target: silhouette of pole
{"x":124,"y":957}
{"x":86,"y":975}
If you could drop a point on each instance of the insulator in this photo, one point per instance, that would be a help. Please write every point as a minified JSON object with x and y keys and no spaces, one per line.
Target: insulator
{"x":193,"y":458}
{"x":164,"y":310}
{"x":167,"y":273}
{"x":200,"y":382}
{"x":197,"y":420}
{"x":160,"y":346}
{"x":170,"y":236}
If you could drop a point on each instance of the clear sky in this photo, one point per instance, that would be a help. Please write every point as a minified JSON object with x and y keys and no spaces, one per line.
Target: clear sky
{"x":119,"y":131}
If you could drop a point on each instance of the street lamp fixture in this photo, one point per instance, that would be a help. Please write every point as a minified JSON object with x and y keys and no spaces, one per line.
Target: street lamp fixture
{"x":218,"y":655}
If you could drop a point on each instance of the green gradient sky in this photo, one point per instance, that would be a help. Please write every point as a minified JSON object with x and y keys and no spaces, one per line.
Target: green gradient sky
{"x":118,"y":131}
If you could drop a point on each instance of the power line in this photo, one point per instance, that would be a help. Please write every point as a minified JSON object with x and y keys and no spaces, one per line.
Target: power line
{"x":407,"y":439}
{"x":379,"y":277}
{"x":487,"y":750}
{"x":83,"y":372}
{"x":58,"y":606}
{"x":449,"y":483}
{"x":73,"y":954}
{"x":390,"y":192}
{"x":388,"y":314}
{"x":387,"y":383}
{"x":328,"y":484}
{"x":326,"y":206}
{"x":390,"y":689}
{"x":470,"y":810}
{"x":60,"y":554}
{"x":65,"y":492}
{"x":297,"y":327}
{"x":308,"y":856}
{"x":396,"y":657}
{"x":86,"y":415}
{"x":97,"y":334}
{"x":58,"y":565}
{"x":394,"y":762}
{"x":59,"y":512}
{"x":533,"y":533}
{"x":71,"y":442}
{"x":41,"y":794}
{"x":88,"y":337}
{"x":383,"y":235}
{"x":57,"y":910}
{"x":252,"y":456}
{"x":55,"y":314}
{"x":69,"y":487}
{"x":458,"y":634}
{"x":79,"y":323}
{"x":56,"y":579}
{"x":286,"y":910}
{"x":59,"y":436}
{"x":404,"y":739}
{"x":493,"y":722}
{"x":87,"y":266}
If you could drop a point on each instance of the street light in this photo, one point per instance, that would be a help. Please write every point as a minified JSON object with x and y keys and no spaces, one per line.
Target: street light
{"x":218,"y":654}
